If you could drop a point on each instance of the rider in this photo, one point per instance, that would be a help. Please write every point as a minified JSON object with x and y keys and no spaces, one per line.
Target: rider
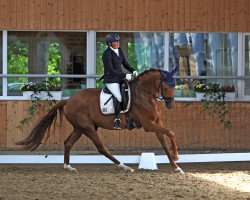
{"x":113,"y":58}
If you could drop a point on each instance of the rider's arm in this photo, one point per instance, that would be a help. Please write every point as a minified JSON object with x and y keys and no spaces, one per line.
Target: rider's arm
{"x":125,"y":63}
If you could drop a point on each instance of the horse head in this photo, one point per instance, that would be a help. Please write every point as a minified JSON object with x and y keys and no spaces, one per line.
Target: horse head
{"x":166,"y":87}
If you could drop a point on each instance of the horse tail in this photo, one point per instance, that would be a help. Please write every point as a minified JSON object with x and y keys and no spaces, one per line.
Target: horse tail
{"x":42,"y":127}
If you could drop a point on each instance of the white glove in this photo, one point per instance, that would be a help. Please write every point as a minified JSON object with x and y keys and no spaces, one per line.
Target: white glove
{"x":135,"y":73}
{"x":129,"y":77}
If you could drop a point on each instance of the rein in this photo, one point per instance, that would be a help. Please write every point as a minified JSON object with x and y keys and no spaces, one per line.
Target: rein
{"x":138,"y":88}
{"x":160,"y":90}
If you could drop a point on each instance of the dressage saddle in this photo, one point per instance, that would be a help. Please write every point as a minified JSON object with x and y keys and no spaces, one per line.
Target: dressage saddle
{"x":124,"y":88}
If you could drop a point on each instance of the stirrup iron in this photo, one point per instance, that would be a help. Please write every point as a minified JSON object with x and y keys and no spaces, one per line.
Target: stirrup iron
{"x":117,"y":123}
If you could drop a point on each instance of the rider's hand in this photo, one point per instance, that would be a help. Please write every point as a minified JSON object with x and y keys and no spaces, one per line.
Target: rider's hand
{"x":128,"y":77}
{"x":135,"y":73}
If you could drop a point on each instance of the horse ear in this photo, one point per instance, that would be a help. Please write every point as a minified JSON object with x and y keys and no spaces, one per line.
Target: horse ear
{"x":174,"y":71}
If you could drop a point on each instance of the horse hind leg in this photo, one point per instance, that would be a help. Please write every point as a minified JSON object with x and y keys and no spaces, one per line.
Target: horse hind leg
{"x":93,"y":136}
{"x":68,"y":144}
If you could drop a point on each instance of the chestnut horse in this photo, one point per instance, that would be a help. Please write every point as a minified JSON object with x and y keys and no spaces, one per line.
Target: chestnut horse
{"x":83,"y":112}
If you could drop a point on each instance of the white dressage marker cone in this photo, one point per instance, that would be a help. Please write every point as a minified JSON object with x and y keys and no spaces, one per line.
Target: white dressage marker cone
{"x":147,"y":161}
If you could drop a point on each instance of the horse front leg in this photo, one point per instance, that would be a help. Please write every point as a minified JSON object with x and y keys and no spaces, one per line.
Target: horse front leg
{"x":166,"y":149}
{"x":160,"y":132}
{"x":171,"y":136}
{"x":93,"y":136}
{"x":175,"y":154}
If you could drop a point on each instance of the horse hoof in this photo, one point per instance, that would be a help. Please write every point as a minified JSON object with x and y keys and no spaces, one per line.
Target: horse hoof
{"x":178,"y":169}
{"x":126,"y":168}
{"x":129,"y":170}
{"x":68,"y":167}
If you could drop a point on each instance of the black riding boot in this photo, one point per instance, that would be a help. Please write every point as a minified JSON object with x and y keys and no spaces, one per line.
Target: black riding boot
{"x":117,"y":107}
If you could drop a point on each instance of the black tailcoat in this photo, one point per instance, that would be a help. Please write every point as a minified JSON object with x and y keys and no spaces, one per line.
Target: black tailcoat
{"x":112,"y":66}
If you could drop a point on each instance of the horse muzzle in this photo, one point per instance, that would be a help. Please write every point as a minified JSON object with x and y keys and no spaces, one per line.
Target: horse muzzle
{"x":169,"y":102}
{"x":169,"y":105}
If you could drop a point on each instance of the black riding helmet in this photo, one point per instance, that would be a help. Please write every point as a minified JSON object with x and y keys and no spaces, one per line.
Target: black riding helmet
{"x":111,"y":37}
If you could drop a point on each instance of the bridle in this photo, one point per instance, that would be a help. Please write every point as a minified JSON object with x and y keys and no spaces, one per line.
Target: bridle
{"x":163,"y":97}
{"x":163,"y":79}
{"x":160,"y":89}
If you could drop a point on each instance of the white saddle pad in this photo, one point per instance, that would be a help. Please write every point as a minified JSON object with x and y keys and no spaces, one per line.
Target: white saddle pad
{"x":108,"y":108}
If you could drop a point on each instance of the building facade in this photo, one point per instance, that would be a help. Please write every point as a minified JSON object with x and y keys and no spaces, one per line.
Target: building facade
{"x":63,"y":40}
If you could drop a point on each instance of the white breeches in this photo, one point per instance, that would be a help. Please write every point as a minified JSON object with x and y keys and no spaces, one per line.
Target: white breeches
{"x":115,"y":89}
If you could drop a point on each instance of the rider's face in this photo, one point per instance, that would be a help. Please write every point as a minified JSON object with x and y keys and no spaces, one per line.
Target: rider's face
{"x":115,"y":45}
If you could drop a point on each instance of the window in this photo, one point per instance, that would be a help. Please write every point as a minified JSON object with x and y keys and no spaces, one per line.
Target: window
{"x":203,"y":54}
{"x":143,"y":50}
{"x":201,"y":57}
{"x":48,"y":53}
